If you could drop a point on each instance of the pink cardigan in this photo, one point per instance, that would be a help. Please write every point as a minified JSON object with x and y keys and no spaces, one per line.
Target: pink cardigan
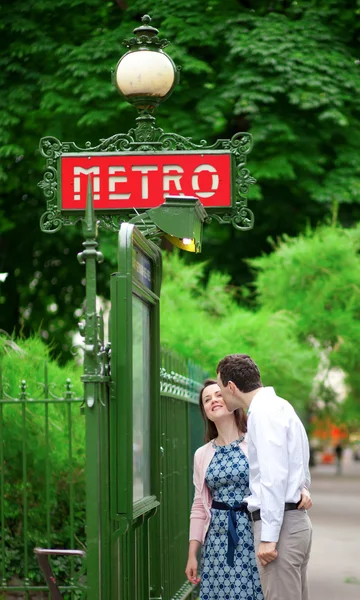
{"x":200,"y":510}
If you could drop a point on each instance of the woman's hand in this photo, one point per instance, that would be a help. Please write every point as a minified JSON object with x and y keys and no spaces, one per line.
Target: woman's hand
{"x":305,"y":501}
{"x":192,"y":570}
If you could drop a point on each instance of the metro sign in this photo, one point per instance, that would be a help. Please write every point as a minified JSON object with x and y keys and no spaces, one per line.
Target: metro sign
{"x":136,"y":180}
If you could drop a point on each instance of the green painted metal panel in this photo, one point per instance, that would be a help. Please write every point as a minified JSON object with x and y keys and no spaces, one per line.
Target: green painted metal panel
{"x":134,"y":293}
{"x":134,"y":412}
{"x":120,"y":407}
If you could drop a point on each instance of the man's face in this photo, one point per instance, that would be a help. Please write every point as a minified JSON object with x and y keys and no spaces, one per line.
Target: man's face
{"x":228,"y":396}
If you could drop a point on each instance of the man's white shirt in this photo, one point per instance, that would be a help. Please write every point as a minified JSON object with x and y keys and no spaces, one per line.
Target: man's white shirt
{"x":278,"y":459}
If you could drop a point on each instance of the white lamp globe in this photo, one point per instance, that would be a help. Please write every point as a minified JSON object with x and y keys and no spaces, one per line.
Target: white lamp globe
{"x":145,"y":73}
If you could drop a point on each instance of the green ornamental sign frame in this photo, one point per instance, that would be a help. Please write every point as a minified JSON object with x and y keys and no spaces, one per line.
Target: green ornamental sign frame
{"x":146,"y":138}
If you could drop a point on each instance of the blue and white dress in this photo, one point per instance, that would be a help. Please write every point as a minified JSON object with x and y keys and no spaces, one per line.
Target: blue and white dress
{"x":227,"y":478}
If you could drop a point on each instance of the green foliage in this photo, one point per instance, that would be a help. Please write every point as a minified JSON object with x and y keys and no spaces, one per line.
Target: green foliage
{"x":285,"y":71}
{"x":43,"y":445}
{"x":204,"y":322}
{"x":315,"y":278}
{"x":304,"y":66}
{"x":308,"y":307}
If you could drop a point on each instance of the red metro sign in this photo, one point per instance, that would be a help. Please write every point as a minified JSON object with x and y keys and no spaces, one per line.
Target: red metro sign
{"x":134,"y":180}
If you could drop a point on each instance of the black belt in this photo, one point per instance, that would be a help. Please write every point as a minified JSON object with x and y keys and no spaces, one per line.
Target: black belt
{"x":255,"y":515}
{"x":233,"y":538}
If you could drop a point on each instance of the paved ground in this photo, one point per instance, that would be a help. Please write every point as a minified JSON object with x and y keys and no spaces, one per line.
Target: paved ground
{"x":334,"y":570}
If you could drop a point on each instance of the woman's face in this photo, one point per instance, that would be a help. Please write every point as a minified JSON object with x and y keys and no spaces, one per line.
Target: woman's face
{"x":213,"y":403}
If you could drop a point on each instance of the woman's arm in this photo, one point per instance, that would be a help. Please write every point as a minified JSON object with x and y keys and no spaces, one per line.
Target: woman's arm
{"x":191,"y":570}
{"x":198,"y":512}
{"x":197,"y":522}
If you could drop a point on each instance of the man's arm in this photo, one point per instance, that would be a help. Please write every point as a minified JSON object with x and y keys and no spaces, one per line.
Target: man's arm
{"x":270,"y":438}
{"x":307,"y":473}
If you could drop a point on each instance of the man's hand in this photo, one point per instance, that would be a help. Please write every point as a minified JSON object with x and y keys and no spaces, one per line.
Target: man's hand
{"x":305,"y":501}
{"x":267,"y":553}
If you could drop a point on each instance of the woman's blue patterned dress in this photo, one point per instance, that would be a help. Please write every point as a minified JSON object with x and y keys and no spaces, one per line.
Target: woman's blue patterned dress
{"x":228,"y":480}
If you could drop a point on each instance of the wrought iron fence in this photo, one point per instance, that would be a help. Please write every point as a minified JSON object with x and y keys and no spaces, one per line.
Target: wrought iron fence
{"x":42,"y":483}
{"x":42,"y":498}
{"x":181,"y":433}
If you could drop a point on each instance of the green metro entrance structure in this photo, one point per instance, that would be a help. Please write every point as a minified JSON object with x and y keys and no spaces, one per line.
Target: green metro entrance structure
{"x":142,"y":185}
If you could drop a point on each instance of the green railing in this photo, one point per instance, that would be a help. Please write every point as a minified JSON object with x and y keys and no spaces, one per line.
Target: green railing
{"x":42,"y":499}
{"x":181,"y":433}
{"x":41,"y":481}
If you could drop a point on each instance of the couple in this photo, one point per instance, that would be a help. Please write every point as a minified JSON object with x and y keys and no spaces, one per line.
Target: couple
{"x":231,"y":515}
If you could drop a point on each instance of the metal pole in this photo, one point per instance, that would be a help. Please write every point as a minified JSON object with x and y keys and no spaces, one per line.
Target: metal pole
{"x":96,"y":412}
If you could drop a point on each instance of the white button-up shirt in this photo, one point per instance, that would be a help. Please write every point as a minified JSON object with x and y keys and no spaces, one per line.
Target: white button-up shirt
{"x":278,"y":459}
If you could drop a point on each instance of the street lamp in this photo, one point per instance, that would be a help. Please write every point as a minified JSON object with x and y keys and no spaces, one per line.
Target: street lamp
{"x":217,"y":174}
{"x":145,"y":76}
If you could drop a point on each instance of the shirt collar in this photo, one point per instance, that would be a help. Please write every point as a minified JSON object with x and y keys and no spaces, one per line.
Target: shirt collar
{"x":261,"y":393}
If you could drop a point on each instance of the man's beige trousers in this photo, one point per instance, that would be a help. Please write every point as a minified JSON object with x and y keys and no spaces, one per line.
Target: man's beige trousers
{"x":285,"y":578}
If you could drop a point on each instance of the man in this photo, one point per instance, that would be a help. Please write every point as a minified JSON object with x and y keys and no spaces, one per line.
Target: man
{"x":278,"y":462}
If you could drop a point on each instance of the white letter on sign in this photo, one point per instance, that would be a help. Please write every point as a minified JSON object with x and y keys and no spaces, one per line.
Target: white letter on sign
{"x":144,"y":179}
{"x":96,"y":181}
{"x":175,"y":178}
{"x":114,"y":180}
{"x":214,"y":183}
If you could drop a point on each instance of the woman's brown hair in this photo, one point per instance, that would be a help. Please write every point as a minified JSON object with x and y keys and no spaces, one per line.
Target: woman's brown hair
{"x":210,"y":428}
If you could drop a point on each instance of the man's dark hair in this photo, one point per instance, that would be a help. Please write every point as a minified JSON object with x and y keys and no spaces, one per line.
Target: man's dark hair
{"x":241,"y":370}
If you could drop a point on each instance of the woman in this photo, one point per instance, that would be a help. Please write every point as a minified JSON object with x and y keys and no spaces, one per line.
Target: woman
{"x":221,"y":479}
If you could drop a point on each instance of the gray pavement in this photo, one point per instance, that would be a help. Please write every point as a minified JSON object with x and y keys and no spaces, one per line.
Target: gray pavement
{"x":334,"y":569}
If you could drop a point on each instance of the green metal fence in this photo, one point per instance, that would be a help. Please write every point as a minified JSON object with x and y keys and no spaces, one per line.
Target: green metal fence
{"x":181,"y":434}
{"x":42,"y":499}
{"x":41,"y":481}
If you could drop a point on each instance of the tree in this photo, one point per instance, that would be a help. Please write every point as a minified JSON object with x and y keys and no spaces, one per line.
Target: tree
{"x":204,"y":322}
{"x":315,"y":280}
{"x":285,"y":71}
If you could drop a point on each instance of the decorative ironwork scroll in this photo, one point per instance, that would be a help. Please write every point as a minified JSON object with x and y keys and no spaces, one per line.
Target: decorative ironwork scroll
{"x":145,"y":137}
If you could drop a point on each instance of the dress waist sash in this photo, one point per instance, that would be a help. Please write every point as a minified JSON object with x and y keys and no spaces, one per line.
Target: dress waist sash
{"x":233,"y":538}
